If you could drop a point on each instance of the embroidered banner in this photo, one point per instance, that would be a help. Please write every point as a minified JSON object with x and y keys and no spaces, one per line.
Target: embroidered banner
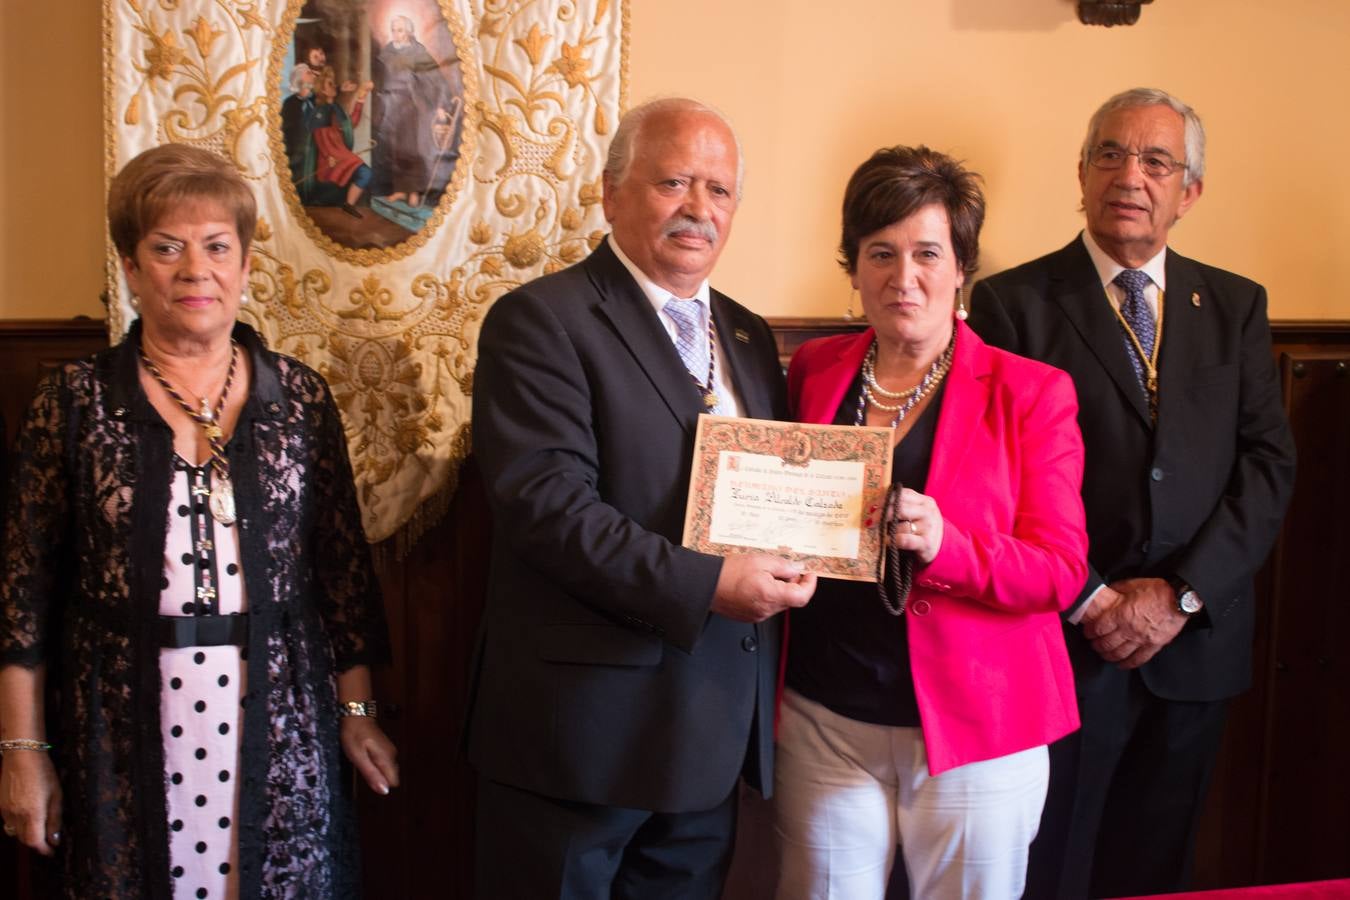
{"x":412,"y":159}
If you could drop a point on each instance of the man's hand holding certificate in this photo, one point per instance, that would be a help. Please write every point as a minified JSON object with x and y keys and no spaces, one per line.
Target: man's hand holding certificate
{"x":806,"y":492}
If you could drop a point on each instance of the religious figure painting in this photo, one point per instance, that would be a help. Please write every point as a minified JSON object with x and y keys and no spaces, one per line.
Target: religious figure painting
{"x":372,"y":117}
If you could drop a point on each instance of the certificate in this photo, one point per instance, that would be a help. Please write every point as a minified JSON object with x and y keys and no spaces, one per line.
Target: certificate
{"x":800,"y":491}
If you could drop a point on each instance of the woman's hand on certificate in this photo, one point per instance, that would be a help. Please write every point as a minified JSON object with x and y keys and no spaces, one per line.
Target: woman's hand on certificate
{"x":920,"y":525}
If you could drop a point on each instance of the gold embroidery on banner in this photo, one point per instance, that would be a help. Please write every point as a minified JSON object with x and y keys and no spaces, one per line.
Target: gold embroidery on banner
{"x":209,"y":98}
{"x":394,"y":330}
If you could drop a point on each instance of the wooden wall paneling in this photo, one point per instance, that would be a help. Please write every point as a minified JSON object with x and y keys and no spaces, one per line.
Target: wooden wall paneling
{"x":1306,"y":802}
{"x":31,"y":347}
{"x":792,"y":333}
{"x":28,"y":349}
{"x":1243,"y":827}
{"x":1280,"y":806}
{"x":434,"y":598}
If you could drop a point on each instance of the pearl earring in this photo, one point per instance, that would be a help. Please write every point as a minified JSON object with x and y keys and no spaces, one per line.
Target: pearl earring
{"x":243,"y":298}
{"x":961,"y":312}
{"x":134,"y":302}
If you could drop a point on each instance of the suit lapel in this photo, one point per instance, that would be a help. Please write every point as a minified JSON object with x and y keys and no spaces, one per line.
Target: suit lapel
{"x":1182,"y":319}
{"x":1080,"y":294}
{"x":963,"y":404}
{"x":734,"y":330}
{"x":641,"y":331}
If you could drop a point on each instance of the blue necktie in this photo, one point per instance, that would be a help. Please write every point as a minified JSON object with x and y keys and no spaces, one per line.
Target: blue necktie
{"x":1134,"y":309}
{"x":690,"y":338}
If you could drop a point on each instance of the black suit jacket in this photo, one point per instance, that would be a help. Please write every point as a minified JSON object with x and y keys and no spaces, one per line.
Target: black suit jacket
{"x":603,"y":677}
{"x":1200,"y":495}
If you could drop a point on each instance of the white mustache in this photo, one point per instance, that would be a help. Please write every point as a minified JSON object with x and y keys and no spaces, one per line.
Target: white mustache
{"x":703,"y":228}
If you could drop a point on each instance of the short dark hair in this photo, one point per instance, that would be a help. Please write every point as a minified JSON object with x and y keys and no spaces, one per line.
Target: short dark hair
{"x":160,"y":178}
{"x":898,"y":181}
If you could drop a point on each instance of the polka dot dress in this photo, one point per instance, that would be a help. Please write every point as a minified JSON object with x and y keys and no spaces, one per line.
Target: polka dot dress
{"x":200,"y":712}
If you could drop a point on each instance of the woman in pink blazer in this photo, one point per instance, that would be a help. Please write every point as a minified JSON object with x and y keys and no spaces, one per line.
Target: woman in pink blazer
{"x":916,"y":713}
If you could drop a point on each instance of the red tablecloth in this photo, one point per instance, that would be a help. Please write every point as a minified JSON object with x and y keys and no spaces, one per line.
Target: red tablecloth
{"x":1308,"y":890}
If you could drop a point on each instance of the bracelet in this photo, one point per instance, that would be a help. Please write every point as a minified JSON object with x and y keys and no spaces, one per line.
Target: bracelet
{"x":23,"y":744}
{"x":357,"y":708}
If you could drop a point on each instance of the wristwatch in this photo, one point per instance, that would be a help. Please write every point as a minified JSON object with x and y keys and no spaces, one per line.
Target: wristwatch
{"x":1188,"y":601}
{"x":357,"y":708}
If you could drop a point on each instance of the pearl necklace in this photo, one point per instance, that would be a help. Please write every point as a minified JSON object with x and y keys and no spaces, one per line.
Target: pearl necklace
{"x":869,"y":375}
{"x":931,"y":379}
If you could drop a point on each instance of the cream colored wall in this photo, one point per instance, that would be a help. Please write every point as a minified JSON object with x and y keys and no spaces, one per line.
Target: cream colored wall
{"x":813,"y":88}
{"x":51,"y":160}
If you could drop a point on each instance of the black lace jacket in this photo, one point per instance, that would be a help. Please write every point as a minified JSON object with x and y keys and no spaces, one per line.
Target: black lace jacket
{"x":84,"y":555}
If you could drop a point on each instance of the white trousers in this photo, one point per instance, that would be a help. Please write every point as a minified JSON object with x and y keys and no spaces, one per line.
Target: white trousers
{"x":847,"y":792}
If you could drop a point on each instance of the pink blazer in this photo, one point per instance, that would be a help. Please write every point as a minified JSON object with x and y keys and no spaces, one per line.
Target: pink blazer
{"x":990,"y":670}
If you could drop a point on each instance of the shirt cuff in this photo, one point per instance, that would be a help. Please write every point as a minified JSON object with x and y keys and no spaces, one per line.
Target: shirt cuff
{"x":1077,"y":615}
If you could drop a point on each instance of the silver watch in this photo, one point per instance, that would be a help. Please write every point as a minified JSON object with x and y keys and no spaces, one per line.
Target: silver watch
{"x":1188,"y":601}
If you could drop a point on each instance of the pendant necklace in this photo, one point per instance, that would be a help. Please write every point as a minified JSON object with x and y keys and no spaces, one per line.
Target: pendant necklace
{"x":1149,"y":361}
{"x":222,"y":489}
{"x":706,"y":390}
{"x":892,"y":561}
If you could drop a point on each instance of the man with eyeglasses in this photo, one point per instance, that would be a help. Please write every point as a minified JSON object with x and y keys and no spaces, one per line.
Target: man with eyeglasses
{"x":1190,"y":464}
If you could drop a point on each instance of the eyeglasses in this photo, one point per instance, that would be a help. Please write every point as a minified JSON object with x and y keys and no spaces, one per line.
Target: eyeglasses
{"x":1156,"y":163}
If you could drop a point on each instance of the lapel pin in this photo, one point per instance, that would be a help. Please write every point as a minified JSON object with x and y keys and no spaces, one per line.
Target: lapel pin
{"x":744,"y":336}
{"x":1195,"y":300}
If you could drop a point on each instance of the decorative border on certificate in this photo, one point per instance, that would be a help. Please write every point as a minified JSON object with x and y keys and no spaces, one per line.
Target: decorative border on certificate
{"x":797,"y":490}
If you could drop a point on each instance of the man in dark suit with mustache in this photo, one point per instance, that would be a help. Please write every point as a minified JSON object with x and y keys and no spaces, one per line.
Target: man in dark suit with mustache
{"x":1190,"y":465}
{"x":624,"y":681}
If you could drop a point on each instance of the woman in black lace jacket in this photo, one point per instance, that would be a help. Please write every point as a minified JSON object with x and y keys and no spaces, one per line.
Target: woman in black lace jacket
{"x":188,"y":610}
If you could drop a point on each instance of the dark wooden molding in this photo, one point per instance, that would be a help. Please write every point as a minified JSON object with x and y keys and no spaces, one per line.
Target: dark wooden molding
{"x":30,"y":347}
{"x":792,"y":333}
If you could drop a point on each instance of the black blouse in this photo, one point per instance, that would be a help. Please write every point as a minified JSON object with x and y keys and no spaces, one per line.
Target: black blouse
{"x":845,"y":651}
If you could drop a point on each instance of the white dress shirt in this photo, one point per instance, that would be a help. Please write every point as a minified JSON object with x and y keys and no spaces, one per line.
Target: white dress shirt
{"x":1108,"y":269}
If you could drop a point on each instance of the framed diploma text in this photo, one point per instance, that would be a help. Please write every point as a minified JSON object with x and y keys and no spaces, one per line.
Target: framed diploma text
{"x":802,"y":491}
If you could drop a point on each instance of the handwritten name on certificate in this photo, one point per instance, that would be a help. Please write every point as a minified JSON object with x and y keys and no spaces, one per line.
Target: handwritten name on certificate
{"x":801,"y":491}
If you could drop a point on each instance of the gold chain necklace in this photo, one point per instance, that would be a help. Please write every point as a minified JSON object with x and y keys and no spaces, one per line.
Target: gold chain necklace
{"x":1149,"y":360}
{"x":222,"y":489}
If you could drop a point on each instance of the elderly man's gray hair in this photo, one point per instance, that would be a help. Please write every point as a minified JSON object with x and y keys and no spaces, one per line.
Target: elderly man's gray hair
{"x":298,"y":76}
{"x":1195,"y":131}
{"x":630,"y":127}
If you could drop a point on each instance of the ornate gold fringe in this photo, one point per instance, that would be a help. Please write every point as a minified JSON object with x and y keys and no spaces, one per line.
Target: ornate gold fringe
{"x":430,"y":512}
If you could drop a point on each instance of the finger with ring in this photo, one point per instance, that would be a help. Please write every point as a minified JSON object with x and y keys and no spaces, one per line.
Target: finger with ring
{"x":912,"y":529}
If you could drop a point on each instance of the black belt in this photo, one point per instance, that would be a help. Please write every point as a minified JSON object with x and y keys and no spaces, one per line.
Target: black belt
{"x":203,"y":631}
